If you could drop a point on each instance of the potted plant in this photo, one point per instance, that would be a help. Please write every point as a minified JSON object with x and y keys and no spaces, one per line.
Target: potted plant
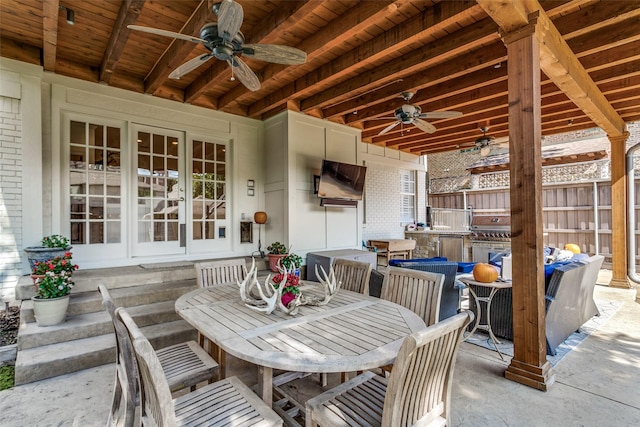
{"x":50,"y":247}
{"x":277,"y":251}
{"x":53,"y":284}
{"x":292,"y":262}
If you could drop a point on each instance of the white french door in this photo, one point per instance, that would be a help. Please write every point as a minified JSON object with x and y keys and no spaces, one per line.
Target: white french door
{"x":159,"y":225}
{"x":208,"y":187}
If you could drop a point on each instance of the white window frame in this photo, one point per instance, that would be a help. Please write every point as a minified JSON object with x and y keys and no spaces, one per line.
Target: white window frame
{"x":408,"y":197}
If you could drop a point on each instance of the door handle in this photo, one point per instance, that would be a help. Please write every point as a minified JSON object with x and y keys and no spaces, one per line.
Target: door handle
{"x":181,"y":199}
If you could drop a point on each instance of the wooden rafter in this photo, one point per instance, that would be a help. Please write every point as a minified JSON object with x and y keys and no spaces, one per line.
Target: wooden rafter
{"x":558,"y":61}
{"x":128,"y":14}
{"x":50,"y":34}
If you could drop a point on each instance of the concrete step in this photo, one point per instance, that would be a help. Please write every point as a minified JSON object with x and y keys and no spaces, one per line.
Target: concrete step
{"x":91,"y":302}
{"x":121,"y":277}
{"x":51,"y":360}
{"x":92,"y":324}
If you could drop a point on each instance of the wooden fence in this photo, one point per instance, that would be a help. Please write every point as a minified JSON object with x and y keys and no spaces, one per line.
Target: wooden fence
{"x":572,"y":213}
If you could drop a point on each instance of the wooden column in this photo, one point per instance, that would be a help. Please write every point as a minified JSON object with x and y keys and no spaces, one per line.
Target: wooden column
{"x":529,"y":364}
{"x":619,"y":254}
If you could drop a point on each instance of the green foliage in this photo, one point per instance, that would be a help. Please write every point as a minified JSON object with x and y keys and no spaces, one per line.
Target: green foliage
{"x":54,"y":285}
{"x":277,"y":248}
{"x":6,"y":377}
{"x":55,"y":241}
{"x":291,"y":261}
{"x":56,"y":265}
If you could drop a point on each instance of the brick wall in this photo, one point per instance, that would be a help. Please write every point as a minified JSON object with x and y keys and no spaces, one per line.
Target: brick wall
{"x":10,"y":195}
{"x":382,"y":204}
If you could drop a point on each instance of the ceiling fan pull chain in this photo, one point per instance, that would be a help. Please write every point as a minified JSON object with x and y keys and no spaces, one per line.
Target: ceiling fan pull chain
{"x":233,"y":79}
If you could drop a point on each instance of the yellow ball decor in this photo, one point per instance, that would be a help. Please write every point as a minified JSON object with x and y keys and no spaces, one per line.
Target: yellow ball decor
{"x":485,"y":273}
{"x":572,"y":247}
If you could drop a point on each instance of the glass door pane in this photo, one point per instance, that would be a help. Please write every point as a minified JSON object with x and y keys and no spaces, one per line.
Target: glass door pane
{"x":160,"y":192}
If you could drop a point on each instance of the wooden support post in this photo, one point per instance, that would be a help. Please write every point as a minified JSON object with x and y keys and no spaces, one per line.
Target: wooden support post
{"x":619,"y":262}
{"x":529,"y":365}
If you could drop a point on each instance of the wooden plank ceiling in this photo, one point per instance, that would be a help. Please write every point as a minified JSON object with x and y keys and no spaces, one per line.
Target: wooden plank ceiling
{"x":360,"y":56}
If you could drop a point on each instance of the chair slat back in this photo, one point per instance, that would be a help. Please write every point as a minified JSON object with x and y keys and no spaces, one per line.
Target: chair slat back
{"x":353,"y":275}
{"x":419,"y":388}
{"x":222,"y":272}
{"x":156,"y":401}
{"x":126,"y":366}
{"x":419,"y":291}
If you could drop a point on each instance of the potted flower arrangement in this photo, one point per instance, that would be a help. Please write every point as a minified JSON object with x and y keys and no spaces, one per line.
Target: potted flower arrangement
{"x":277,"y":251}
{"x":291,"y":288}
{"x":50,"y":247}
{"x":53,"y":284}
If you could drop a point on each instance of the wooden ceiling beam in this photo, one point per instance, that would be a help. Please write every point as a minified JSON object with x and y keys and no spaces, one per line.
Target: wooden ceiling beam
{"x":178,"y":51}
{"x":50,"y":34}
{"x":127,"y":15}
{"x":430,"y":20}
{"x":429,"y":56}
{"x":557,"y":60}
{"x":268,"y":30}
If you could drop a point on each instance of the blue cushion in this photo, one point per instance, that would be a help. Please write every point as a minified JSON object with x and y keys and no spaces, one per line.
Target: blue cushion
{"x":397,"y":262}
{"x":466,"y":267}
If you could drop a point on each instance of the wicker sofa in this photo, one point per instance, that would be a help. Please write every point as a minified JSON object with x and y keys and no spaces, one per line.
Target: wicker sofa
{"x":568,"y":302}
{"x":450,"y":299}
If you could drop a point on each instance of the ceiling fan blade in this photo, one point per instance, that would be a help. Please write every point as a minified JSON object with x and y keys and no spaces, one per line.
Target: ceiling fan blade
{"x":424,"y":126}
{"x":388,"y":128}
{"x":275,"y":53}
{"x":440,"y":114}
{"x":230,"y":16}
{"x":245,"y":74}
{"x":189,"y":66}
{"x":166,"y":33}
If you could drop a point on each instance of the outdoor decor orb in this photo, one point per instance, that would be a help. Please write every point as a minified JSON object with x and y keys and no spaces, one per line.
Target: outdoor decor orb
{"x":572,"y":247}
{"x":260,"y":217}
{"x":485,"y":273}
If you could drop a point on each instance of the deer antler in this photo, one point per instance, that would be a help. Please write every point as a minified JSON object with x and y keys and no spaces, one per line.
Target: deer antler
{"x":268,"y":297}
{"x":329,"y":284}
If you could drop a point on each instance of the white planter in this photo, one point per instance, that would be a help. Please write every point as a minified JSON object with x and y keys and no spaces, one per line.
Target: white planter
{"x":50,"y":311}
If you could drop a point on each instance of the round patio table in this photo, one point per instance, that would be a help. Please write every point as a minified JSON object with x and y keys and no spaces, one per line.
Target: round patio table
{"x":353,"y":332}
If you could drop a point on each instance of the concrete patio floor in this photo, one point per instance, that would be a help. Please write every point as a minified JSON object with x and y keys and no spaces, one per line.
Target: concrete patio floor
{"x":597,"y":384}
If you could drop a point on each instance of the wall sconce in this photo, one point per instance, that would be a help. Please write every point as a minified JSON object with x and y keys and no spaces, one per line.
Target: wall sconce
{"x":260,"y":218}
{"x":71,"y":15}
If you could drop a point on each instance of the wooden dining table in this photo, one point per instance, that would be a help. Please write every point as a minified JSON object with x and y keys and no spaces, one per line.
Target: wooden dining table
{"x":352,"y":332}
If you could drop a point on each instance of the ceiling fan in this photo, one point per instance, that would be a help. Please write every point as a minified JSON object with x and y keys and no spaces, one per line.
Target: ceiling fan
{"x":412,"y":114}
{"x":485,"y":143}
{"x":225,"y":42}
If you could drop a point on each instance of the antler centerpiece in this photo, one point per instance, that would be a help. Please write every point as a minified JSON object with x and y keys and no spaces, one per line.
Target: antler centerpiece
{"x":266,"y":298}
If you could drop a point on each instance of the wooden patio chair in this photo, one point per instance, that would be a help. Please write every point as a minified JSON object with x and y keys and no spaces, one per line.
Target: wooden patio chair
{"x":221,"y":272}
{"x":419,"y":291}
{"x":224,"y":403}
{"x":354,"y":275}
{"x":213,"y":273}
{"x":184,"y":365}
{"x":418,"y":392}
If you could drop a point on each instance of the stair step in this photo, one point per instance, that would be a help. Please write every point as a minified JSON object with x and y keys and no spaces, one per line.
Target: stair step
{"x":119,"y":277}
{"x":92,"y":324}
{"x":91,"y":302}
{"x":51,"y":360}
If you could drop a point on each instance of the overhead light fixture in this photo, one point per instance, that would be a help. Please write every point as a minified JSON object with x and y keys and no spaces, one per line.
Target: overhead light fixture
{"x":71,"y":15}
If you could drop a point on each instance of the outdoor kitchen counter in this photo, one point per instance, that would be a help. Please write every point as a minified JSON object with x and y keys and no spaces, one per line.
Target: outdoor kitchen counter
{"x":429,"y":243}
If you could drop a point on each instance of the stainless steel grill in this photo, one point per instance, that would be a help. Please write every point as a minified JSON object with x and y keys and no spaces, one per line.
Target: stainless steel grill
{"x":491,"y":228}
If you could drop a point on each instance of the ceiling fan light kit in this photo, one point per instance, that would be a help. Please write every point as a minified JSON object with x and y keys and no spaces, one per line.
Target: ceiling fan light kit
{"x":225,"y":41}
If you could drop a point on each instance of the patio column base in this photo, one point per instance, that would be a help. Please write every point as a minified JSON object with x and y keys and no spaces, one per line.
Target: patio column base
{"x":540,"y":378}
{"x":620,"y":283}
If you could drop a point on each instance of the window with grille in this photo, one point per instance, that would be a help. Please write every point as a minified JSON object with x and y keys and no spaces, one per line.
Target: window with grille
{"x":407,"y":196}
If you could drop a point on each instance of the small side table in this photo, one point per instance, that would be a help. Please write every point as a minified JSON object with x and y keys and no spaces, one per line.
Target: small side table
{"x":495,"y":287}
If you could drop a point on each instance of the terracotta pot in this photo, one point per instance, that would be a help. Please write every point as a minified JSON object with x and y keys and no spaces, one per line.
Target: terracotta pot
{"x":50,"y":311}
{"x":273,"y":261}
{"x":36,"y":277}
